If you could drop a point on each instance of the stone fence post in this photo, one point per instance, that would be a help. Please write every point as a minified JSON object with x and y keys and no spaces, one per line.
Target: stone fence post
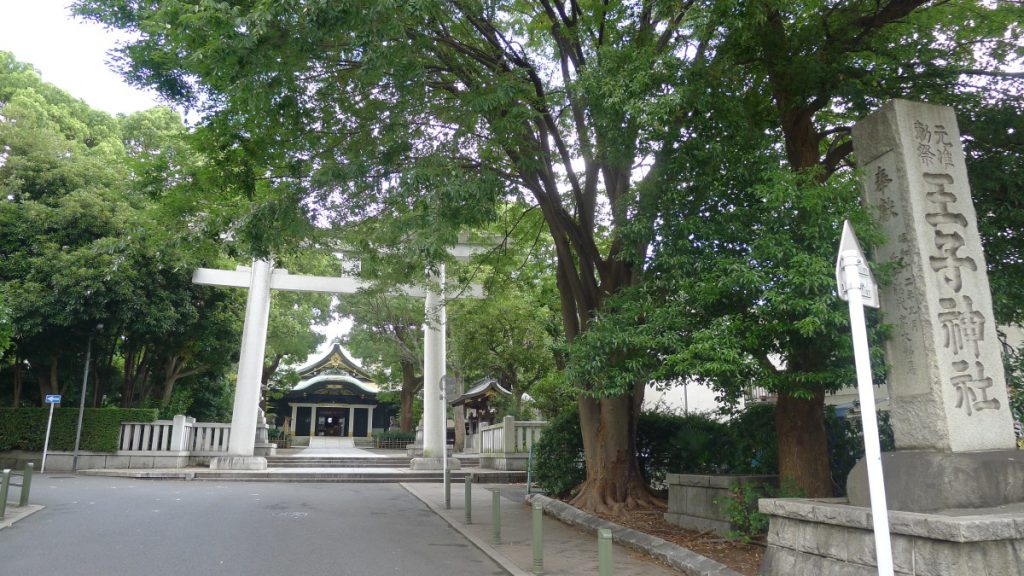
{"x":509,"y":424}
{"x":179,"y":432}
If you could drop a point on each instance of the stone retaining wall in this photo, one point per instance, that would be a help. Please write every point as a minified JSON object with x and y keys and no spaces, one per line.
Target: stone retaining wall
{"x":60,"y":461}
{"x":694,"y":500}
{"x":812,"y":537}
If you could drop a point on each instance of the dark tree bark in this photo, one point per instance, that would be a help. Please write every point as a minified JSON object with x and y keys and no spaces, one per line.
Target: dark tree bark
{"x":410,"y":386}
{"x":16,"y":378}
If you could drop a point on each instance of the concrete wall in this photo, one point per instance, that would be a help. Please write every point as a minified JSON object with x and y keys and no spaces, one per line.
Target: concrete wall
{"x":695,"y":500}
{"x":60,"y":461}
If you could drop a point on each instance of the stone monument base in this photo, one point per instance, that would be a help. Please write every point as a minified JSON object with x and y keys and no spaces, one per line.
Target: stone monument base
{"x":265,"y":449}
{"x":815,"y":537}
{"x":238,"y":463}
{"x":923,"y":481}
{"x":434,"y":464}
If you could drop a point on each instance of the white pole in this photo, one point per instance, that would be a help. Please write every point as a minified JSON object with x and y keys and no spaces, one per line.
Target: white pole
{"x":46,"y":442}
{"x":872,"y":451}
{"x":434,"y":415}
{"x":242,"y":439}
{"x":444,"y":453}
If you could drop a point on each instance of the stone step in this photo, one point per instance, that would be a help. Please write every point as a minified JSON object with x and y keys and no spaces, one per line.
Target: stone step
{"x":334,"y":464}
{"x":457,"y":476}
{"x":343,"y":462}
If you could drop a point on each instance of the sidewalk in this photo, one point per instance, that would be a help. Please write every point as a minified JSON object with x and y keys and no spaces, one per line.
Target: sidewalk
{"x":15,"y":513}
{"x":567,"y":550}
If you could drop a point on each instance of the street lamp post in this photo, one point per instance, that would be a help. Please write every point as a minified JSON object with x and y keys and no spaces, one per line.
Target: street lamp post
{"x":81,"y":404}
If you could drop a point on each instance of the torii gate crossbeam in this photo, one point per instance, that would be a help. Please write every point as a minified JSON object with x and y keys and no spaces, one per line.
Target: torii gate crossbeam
{"x":260,"y":279}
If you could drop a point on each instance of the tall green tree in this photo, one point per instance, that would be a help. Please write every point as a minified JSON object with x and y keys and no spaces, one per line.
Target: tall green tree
{"x":437,"y":109}
{"x":744,"y":257}
{"x":86,"y":241}
{"x":425,"y":114}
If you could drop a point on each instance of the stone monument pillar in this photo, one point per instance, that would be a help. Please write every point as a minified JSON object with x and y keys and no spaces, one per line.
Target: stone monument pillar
{"x":955,"y":485}
{"x":949,"y":405}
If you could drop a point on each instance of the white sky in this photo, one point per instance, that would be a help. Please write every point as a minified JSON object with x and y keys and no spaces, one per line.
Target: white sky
{"x":69,"y":53}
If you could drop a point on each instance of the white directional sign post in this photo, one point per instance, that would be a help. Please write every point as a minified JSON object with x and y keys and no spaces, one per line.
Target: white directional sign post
{"x":857,"y":286}
{"x":52,"y":400}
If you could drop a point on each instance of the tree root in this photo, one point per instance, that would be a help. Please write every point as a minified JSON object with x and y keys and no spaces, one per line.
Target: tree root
{"x":610,"y":498}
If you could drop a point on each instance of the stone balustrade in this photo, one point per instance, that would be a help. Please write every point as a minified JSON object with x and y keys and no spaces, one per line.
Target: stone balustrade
{"x":506,"y":446}
{"x":180,"y":435}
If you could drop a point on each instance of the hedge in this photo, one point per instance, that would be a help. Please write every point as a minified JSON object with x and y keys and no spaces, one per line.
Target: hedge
{"x":25,"y":428}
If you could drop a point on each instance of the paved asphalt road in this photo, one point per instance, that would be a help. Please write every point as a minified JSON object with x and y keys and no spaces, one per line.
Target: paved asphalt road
{"x":117,"y":526}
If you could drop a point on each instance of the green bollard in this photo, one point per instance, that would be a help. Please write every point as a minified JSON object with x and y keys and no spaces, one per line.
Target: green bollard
{"x":538,"y":538}
{"x":496,"y":514}
{"x":447,"y":489}
{"x":5,"y":482}
{"x":26,"y":483}
{"x":469,"y":498}
{"x":604,"y":552}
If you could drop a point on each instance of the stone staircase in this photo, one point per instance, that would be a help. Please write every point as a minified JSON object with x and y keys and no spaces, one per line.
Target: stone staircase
{"x":353,"y":462}
{"x":354,"y":469}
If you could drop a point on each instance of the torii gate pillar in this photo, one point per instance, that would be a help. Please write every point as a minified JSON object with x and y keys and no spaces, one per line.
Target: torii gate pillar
{"x":435,"y":413}
{"x":242,"y":438}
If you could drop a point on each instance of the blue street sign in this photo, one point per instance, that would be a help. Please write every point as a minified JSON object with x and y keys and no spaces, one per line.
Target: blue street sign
{"x":53,"y":398}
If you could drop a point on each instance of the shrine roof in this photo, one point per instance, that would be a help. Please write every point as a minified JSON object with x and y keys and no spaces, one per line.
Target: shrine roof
{"x":337,"y":362}
{"x":480,"y":389}
{"x":324,"y":379}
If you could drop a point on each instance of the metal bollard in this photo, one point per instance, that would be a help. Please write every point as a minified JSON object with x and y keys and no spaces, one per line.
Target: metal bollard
{"x":538,"y":538}
{"x":469,"y":498}
{"x":26,"y":483}
{"x":604,"y":552}
{"x":496,"y":514}
{"x":447,"y":489}
{"x":5,"y":482}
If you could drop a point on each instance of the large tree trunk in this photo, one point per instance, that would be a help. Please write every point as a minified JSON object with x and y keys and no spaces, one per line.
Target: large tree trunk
{"x":54,"y":380}
{"x":460,"y":419}
{"x":803,"y":444}
{"x":409,"y":389}
{"x":16,"y":403}
{"x":614,"y":482}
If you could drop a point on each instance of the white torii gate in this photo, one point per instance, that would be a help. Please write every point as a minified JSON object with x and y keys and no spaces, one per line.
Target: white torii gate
{"x":260,"y":280}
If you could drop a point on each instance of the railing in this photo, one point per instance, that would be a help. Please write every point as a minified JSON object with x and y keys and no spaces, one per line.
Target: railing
{"x":208,"y":438}
{"x":183,"y":434}
{"x":156,"y":436}
{"x":492,"y":438}
{"x":528,"y":433}
{"x":510,"y":437}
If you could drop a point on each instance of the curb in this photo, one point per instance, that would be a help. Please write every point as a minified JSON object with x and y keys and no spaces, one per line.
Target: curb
{"x":682,"y":559}
{"x":16,"y":513}
{"x":483,"y":546}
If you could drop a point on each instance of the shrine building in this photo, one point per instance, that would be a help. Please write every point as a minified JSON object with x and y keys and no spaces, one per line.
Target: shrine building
{"x":334,"y":397}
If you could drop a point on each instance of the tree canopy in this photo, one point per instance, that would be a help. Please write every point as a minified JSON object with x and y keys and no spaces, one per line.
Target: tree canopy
{"x":100,"y":232}
{"x":689,"y":161}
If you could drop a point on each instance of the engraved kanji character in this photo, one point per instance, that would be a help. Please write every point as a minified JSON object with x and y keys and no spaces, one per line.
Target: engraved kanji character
{"x":969,"y":388}
{"x":882,"y":181}
{"x":924,"y":151}
{"x":962,"y":328}
{"x":943,"y":145}
{"x":936,"y":192}
{"x":921,"y":131}
{"x":887,"y":209}
{"x":948,"y":262}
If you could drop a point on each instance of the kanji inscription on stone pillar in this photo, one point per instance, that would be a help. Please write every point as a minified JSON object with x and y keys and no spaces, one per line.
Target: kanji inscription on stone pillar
{"x":945,"y":373}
